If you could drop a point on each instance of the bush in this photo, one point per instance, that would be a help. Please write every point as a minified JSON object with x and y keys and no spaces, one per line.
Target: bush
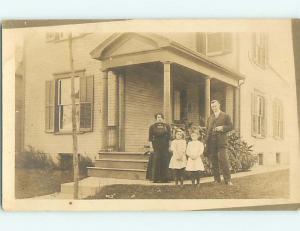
{"x":241,"y":155}
{"x":34,"y":159}
{"x":84,"y":162}
{"x":66,"y":163}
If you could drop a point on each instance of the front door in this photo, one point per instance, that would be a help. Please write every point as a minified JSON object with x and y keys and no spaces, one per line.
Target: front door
{"x":180,"y":106}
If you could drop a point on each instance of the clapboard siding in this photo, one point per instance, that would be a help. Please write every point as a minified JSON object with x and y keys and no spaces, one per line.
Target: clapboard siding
{"x":53,"y":58}
{"x":143,"y":98}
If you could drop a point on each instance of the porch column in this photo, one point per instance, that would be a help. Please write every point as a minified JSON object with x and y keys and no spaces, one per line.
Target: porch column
{"x":207,"y":98}
{"x":236,"y":116}
{"x":168,"y":89}
{"x":230,"y":101}
{"x":121,"y":107}
{"x":104,"y":108}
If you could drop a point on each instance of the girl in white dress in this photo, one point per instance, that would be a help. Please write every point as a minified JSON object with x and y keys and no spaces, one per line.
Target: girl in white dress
{"x":194,"y":151}
{"x":178,"y":160}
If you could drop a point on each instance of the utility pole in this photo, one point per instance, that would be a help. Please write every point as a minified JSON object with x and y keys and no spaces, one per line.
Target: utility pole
{"x":74,"y":125}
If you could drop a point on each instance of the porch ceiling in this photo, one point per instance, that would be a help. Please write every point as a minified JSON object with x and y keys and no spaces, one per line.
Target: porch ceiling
{"x":123,"y":49}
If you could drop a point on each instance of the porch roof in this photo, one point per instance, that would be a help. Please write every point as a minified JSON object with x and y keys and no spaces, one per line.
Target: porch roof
{"x":122,"y":49}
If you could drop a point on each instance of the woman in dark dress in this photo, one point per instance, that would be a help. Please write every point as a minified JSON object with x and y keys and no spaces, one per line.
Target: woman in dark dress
{"x":159,"y":141}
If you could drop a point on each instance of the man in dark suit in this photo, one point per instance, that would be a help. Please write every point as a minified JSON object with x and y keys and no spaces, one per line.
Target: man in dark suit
{"x":218,"y":124}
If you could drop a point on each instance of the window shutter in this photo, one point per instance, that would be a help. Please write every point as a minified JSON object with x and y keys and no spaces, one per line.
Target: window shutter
{"x":274,"y":119}
{"x":254,"y":47}
{"x":86,"y":103}
{"x":253,"y":117}
{"x":281,"y":122}
{"x":266,"y":50}
{"x":264,"y":123}
{"x":201,"y":43}
{"x":49,"y":105}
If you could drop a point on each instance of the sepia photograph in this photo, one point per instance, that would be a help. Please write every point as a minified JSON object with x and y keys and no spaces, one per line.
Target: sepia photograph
{"x":150,"y":114}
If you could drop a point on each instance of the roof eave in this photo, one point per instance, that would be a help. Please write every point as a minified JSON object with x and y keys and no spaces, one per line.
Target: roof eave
{"x":206,"y":60}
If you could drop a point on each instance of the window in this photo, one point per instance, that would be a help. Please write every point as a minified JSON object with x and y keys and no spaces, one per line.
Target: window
{"x":59,"y":36}
{"x":211,"y":44}
{"x":55,"y":36}
{"x":260,"y":49}
{"x":258,"y":115}
{"x":277,"y":119}
{"x":278,"y":159}
{"x":260,"y":158}
{"x":65,"y":104}
{"x":58,"y":107}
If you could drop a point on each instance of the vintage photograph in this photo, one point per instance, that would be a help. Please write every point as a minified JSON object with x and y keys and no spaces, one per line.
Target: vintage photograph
{"x":202,"y":111}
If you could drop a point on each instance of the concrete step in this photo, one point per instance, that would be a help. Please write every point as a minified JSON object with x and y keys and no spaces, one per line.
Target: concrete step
{"x":123,"y":155}
{"x":119,"y":173}
{"x":122,"y":163}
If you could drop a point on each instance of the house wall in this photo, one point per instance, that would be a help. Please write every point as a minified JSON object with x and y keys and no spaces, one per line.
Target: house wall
{"x":230,"y":59}
{"x":144,"y":92}
{"x":275,"y":82}
{"x":189,"y":40}
{"x":143,"y":98}
{"x":43,"y":60}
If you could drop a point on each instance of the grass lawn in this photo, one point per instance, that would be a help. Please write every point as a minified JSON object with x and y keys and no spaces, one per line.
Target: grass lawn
{"x":266,"y":185}
{"x":37,"y":182}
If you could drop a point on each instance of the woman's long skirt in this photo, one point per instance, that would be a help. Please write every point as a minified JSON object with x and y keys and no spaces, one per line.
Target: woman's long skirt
{"x":158,"y":165}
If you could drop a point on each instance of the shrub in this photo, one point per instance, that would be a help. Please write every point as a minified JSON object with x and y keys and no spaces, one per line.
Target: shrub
{"x":66,"y":163}
{"x":241,"y":154}
{"x":32,"y":158}
{"x":84,"y":162}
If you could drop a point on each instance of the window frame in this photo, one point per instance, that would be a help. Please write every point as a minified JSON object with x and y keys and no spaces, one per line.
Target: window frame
{"x":60,"y":106}
{"x":224,"y":50}
{"x":258,"y":119}
{"x":55,"y":37}
{"x":67,"y":75}
{"x":278,"y":119}
{"x":260,"y":49}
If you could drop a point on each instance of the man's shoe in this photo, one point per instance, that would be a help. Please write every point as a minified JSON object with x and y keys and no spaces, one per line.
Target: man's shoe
{"x":229,"y":183}
{"x":217,"y":182}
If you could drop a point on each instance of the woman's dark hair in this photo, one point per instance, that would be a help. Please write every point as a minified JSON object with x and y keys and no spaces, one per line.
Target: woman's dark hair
{"x":159,"y":113}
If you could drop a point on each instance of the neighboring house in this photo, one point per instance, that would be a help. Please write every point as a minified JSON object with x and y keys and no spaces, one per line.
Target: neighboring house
{"x":122,"y":79}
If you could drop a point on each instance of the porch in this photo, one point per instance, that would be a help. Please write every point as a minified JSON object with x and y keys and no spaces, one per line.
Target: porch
{"x":135,"y":93}
{"x":147,"y":73}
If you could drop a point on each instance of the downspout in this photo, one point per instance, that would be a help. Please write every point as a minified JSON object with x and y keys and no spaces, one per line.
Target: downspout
{"x":240,"y":83}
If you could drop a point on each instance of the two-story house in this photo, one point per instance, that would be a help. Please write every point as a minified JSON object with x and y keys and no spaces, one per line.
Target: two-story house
{"x":122,"y":79}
